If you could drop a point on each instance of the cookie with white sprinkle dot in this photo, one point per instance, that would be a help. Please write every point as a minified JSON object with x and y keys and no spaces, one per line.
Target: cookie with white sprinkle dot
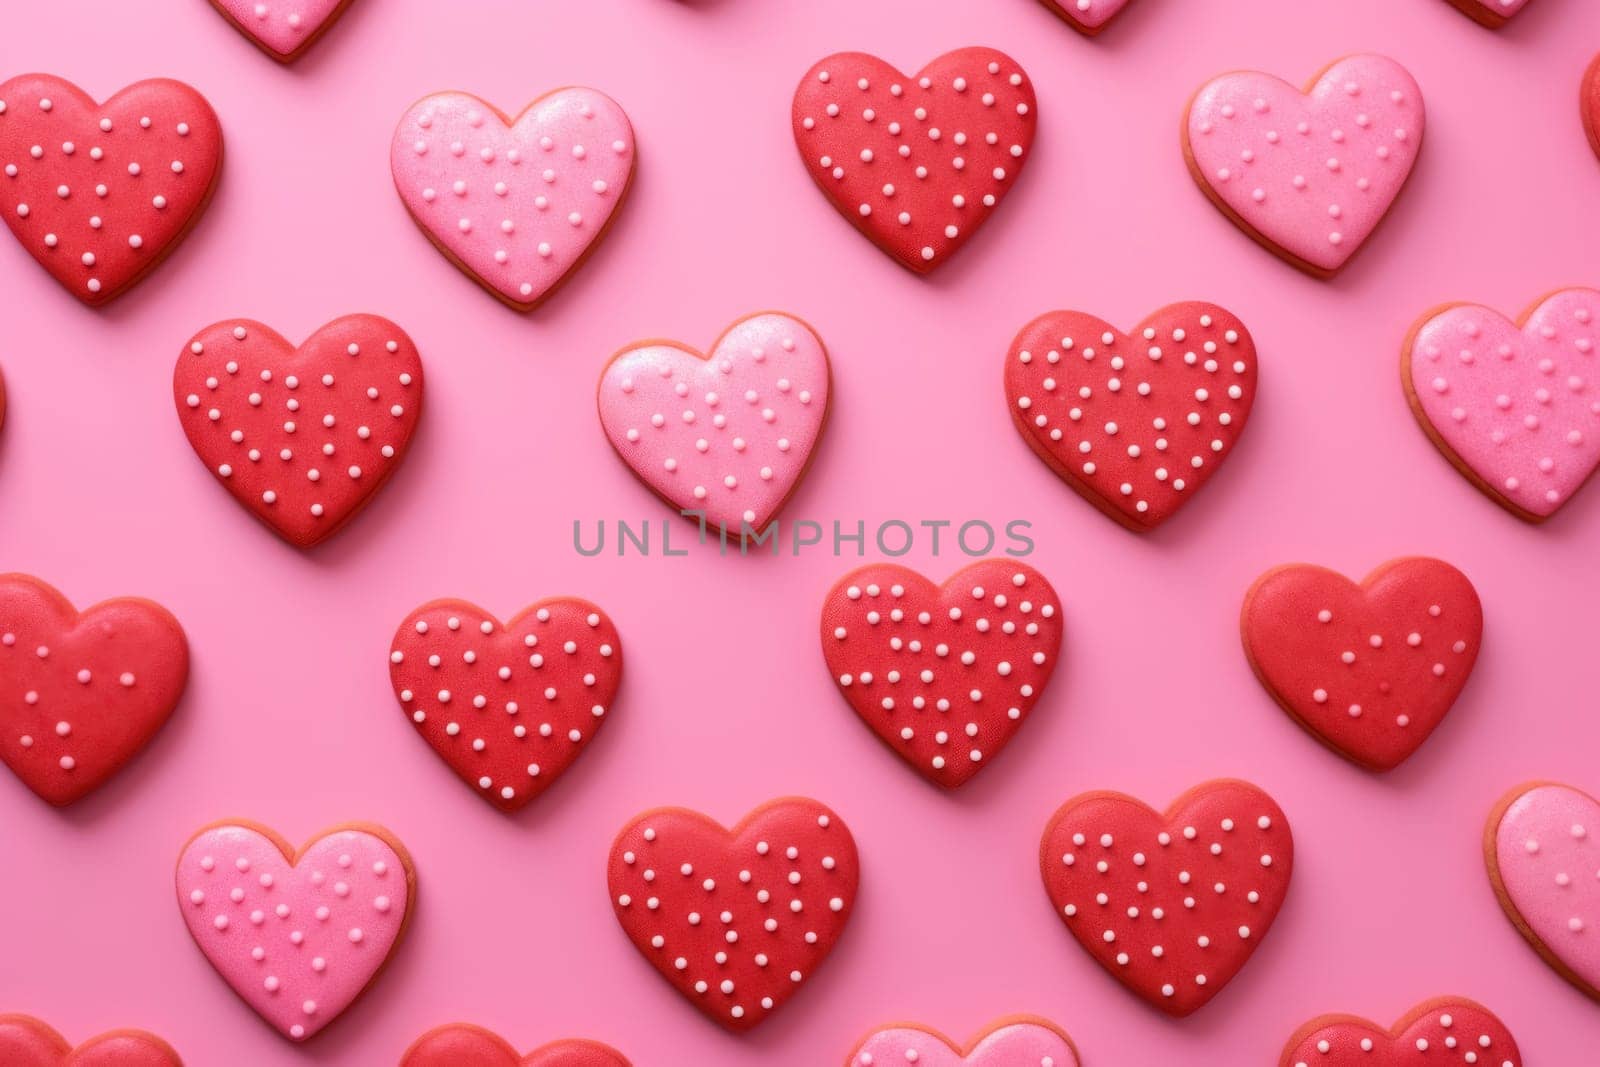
{"x":737,"y":921}
{"x":302,"y":437}
{"x":283,"y":29}
{"x":1442,"y":1032}
{"x":508,"y":706}
{"x":918,"y":162}
{"x":1490,"y":13}
{"x":465,"y":1045}
{"x":1088,"y":17}
{"x":81,"y":693}
{"x":1015,"y":1041}
{"x":99,"y":194}
{"x":29,"y":1042}
{"x":1172,"y":904}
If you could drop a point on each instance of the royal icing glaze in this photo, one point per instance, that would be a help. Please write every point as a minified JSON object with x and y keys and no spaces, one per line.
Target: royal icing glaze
{"x":916,"y":163}
{"x":1137,"y":423}
{"x":1018,"y":1042}
{"x":28,"y":1042}
{"x":100,"y":193}
{"x":1308,"y":174}
{"x":1514,"y":406}
{"x":945,"y":675}
{"x":297,"y":936}
{"x":1491,"y":13}
{"x":515,"y":203}
{"x":82,"y":693}
{"x":1087,"y":16}
{"x":1368,"y":669}
{"x":1441,"y":1032}
{"x":1544,"y":863}
{"x":509,"y":706}
{"x":1589,"y":103}
{"x":1173,"y":904}
{"x":281,"y":28}
{"x":302,"y":437}
{"x":735,"y":920}
{"x":728,"y":434}
{"x":465,"y":1045}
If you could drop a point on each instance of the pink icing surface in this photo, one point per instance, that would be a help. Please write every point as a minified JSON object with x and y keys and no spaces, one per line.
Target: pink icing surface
{"x":297,"y":943}
{"x":730,"y":434}
{"x":518,"y":205}
{"x":1519,"y":407}
{"x":1547,"y":849}
{"x":1090,"y":13}
{"x":281,"y":25}
{"x":1015,"y":1045}
{"x":1503,"y":8}
{"x":1311,"y":173}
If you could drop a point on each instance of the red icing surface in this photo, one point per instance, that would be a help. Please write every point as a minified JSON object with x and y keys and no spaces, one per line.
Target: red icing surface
{"x":1438,"y":1033}
{"x":1176,"y":938}
{"x":1589,"y":103}
{"x":27,"y":1042}
{"x":1403,"y":686}
{"x":465,"y":1045}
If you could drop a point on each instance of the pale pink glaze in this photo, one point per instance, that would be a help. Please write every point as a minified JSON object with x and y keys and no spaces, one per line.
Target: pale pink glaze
{"x":1503,"y":8}
{"x":1547,"y":849}
{"x":299,"y":943}
{"x":729,"y":435}
{"x":1016,"y":1045}
{"x":284,"y":26}
{"x":1091,"y":14}
{"x":1311,"y":173}
{"x":517,"y":205}
{"x":1519,"y":407}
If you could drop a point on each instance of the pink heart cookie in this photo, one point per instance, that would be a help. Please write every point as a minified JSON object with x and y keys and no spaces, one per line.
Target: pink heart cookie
{"x":1512,"y":405}
{"x":729,"y":434}
{"x":1088,"y":17}
{"x":1018,"y":1041}
{"x":283,"y":29}
{"x":518,"y":204}
{"x":299,"y":936}
{"x":1542,"y":847}
{"x":1491,"y":13}
{"x":1308,"y":175}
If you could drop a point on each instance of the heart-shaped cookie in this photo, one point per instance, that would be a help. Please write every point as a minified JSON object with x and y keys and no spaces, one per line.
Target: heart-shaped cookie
{"x":101,"y":193}
{"x":945,"y":675}
{"x":1088,"y":17}
{"x":1017,"y":1041}
{"x":509,"y":706}
{"x":1541,"y":848}
{"x":516,"y":203}
{"x":916,"y":163}
{"x":283,"y":29}
{"x":736,"y":920}
{"x":1589,"y":103}
{"x":465,"y":1045}
{"x":28,"y":1042}
{"x":1308,"y":175}
{"x":1137,"y":423}
{"x":1512,"y":405}
{"x":1491,"y":13}
{"x":298,"y":935}
{"x":1441,"y":1032}
{"x":302,"y":437}
{"x":82,"y":693}
{"x":726,"y":435}
{"x":1171,"y":904}
{"x":1369,"y":670}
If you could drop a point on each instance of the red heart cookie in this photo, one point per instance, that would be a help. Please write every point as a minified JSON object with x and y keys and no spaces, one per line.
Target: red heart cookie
{"x":1368,"y":669}
{"x":736,"y":920}
{"x":1437,"y":1033}
{"x":302,"y":437}
{"x":283,"y":29}
{"x":1171,"y":904}
{"x":27,"y":1042}
{"x":1088,"y":17}
{"x":945,"y":675}
{"x":465,"y":1045}
{"x":509,"y":706}
{"x":1490,"y":13}
{"x":101,"y":193}
{"x":1136,"y":423}
{"x":81,"y":694}
{"x":916,"y":163}
{"x":1589,"y":103}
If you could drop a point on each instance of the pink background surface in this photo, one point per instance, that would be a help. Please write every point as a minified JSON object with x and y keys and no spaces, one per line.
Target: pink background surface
{"x":289,"y":718}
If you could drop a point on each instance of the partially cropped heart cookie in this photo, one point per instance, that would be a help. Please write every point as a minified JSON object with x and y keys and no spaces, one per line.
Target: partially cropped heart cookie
{"x":1309,"y":175}
{"x":516,"y":203}
{"x":465,"y":1045}
{"x":1443,"y":1032}
{"x":945,"y":675}
{"x":302,"y":437}
{"x":1088,"y":17}
{"x":28,"y":1042}
{"x":298,"y":935}
{"x":82,"y":693}
{"x":1137,"y":423}
{"x":1491,"y":13}
{"x":916,"y":162}
{"x":1542,"y":848}
{"x":1371,"y":669}
{"x":283,"y":29}
{"x":1018,"y":1041}
{"x":509,"y":706}
{"x":1171,"y":903}
{"x":1589,"y":103}
{"x":736,"y":920}
{"x":99,"y":194}
{"x":730,"y":434}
